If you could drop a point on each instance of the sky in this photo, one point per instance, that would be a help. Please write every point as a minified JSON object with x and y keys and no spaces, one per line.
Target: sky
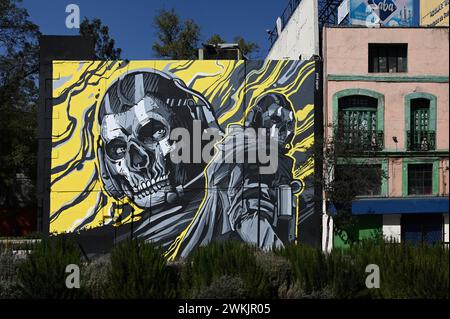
{"x":130,"y":22}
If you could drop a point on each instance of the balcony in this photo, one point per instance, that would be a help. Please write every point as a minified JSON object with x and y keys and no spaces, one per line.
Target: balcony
{"x":362,"y":140}
{"x":421,"y":141}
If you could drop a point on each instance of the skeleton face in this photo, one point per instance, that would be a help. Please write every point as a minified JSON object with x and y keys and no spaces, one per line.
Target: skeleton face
{"x":135,"y":144}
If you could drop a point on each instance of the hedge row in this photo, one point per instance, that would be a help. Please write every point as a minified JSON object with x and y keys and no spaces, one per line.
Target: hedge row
{"x":136,"y":269}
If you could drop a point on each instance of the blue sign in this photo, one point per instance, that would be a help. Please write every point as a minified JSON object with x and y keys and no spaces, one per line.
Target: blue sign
{"x":385,"y":8}
{"x":383,"y":13}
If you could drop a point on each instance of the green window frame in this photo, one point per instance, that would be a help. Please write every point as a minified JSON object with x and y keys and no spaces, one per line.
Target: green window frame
{"x":435,"y":175}
{"x":360,"y":92}
{"x":409,"y":98}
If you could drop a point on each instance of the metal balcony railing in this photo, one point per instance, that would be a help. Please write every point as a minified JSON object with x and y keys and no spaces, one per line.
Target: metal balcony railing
{"x":362,"y":140}
{"x":421,"y":141}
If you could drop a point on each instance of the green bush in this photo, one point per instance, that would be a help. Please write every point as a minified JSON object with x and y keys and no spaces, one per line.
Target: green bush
{"x":207,"y":264}
{"x":94,"y":277}
{"x":308,"y":267}
{"x":225,"y":287}
{"x":345,"y":274}
{"x":277,"y":270}
{"x":294,"y":291}
{"x":42,"y":274}
{"x":406,"y":271}
{"x":8,"y":265}
{"x":8,"y":274}
{"x":139,"y":270}
{"x":228,"y":270}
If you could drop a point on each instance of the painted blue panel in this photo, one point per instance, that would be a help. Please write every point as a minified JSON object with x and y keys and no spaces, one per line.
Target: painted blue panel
{"x":416,"y":13}
{"x":437,"y":205}
{"x":390,"y":13}
{"x":401,"y":206}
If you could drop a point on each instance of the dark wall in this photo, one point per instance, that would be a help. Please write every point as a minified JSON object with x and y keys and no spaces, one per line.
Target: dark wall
{"x":52,"y":48}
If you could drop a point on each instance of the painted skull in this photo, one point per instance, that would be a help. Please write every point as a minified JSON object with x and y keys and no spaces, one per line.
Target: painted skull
{"x":136,"y":116}
{"x":274,"y":113}
{"x":136,"y":143}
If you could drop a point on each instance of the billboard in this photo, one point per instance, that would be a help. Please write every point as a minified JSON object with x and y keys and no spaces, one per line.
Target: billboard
{"x":183,"y":153}
{"x":389,"y":13}
{"x":434,"y":13}
{"x":343,"y":10}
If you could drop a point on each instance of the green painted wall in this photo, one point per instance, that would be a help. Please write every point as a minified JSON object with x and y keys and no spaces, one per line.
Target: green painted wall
{"x":368,"y":226}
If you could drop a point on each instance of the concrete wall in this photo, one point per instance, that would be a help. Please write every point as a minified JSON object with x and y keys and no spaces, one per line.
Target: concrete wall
{"x":300,"y":37}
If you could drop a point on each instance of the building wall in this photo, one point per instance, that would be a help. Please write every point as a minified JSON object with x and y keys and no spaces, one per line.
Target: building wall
{"x":346,"y":71}
{"x":444,"y":176}
{"x":394,"y":123}
{"x":424,"y":74}
{"x":395,"y":177}
{"x":300,"y":37}
{"x":394,"y":111}
{"x":368,"y":226}
{"x":112,"y":168}
{"x":350,"y":50}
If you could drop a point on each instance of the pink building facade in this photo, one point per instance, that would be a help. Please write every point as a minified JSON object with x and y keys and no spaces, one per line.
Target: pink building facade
{"x":394,"y":82}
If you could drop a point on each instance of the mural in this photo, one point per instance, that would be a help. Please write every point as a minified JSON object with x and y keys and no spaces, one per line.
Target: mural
{"x":183,"y":152}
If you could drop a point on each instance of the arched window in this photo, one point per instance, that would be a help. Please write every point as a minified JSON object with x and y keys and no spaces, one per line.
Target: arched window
{"x":420,"y":122}
{"x":419,"y":135}
{"x":357,"y":122}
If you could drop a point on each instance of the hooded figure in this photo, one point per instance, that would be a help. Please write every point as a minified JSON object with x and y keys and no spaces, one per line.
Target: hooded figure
{"x":186,"y":205}
{"x":241,"y":202}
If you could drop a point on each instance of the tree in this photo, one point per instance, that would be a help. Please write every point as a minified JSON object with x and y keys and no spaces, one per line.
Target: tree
{"x":345,"y":178}
{"x":177,"y":39}
{"x":19,"y":65}
{"x":104,"y":44}
{"x":215,"y":39}
{"x":246,"y":47}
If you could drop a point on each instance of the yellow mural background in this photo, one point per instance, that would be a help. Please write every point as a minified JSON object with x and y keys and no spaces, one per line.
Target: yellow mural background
{"x":431,"y":11}
{"x":215,"y":82}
